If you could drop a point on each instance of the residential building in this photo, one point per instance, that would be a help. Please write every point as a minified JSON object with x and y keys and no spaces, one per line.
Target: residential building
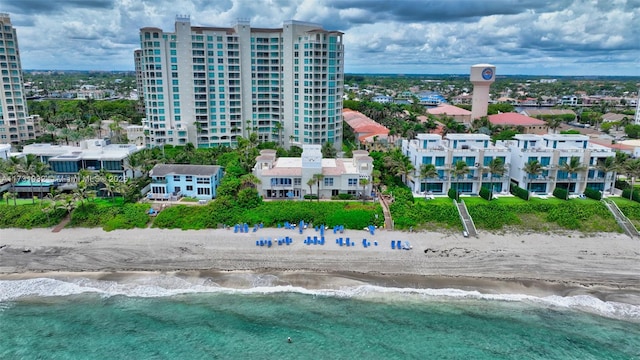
{"x":543,"y":112}
{"x":5,"y":151}
{"x":552,"y":151}
{"x":288,"y":178}
{"x":366,"y":130}
{"x":382,"y":99}
{"x":210,"y":85}
{"x":475,"y":150}
{"x":614,"y":117}
{"x":431,"y":98}
{"x":173,"y":181}
{"x":15,"y":123}
{"x":93,"y":155}
{"x":445,"y":110}
{"x":528,"y":125}
{"x":137,"y":60}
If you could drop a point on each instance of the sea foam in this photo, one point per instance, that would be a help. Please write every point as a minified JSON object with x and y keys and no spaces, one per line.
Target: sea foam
{"x":166,"y":285}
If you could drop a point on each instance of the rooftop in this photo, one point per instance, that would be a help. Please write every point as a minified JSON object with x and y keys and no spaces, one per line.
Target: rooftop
{"x":182,"y":169}
{"x":515,"y":119}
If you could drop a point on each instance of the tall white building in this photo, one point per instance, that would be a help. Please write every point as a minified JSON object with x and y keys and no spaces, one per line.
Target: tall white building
{"x":15,"y":123}
{"x":210,"y":85}
{"x":482,"y":76}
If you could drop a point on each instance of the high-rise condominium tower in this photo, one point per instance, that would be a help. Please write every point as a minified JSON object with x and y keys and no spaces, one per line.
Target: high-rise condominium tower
{"x":210,"y":85}
{"x":15,"y":123}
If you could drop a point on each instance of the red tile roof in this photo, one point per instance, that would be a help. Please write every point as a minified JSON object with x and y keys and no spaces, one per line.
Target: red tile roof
{"x":363,"y":125}
{"x":514,"y":119}
{"x":446,"y":109}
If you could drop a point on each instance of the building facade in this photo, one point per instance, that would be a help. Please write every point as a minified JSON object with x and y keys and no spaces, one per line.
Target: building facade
{"x":552,"y":151}
{"x":475,"y":150}
{"x":210,"y":85}
{"x":15,"y":123}
{"x":173,"y":181}
{"x":93,"y":155}
{"x":289,"y":178}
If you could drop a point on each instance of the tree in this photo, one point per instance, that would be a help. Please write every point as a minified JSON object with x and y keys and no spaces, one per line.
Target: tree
{"x":249,"y":181}
{"x":553,"y":123}
{"x":606,"y":166}
{"x":310,"y":183}
{"x":573,"y":166}
{"x":13,"y":170}
{"x":532,"y":168}
{"x":631,"y":168}
{"x":328,"y":151}
{"x":496,"y":168}
{"x":459,"y":170}
{"x":318,"y":178}
{"x":68,"y":203}
{"x":364,"y":182}
{"x":399,"y":164}
{"x":27,"y":167}
{"x":40,"y":170}
{"x":428,"y":171}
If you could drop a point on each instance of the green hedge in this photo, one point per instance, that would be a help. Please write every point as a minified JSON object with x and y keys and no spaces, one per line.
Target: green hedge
{"x":485,"y":193}
{"x":593,"y":194}
{"x":452,"y":194}
{"x":519,"y":192}
{"x":627,"y":192}
{"x":561,"y":193}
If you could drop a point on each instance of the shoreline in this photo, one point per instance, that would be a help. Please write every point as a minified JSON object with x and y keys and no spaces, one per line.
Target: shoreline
{"x":605,"y":266}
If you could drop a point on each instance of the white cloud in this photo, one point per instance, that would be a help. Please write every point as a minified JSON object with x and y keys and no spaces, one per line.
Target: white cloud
{"x":523,"y":36}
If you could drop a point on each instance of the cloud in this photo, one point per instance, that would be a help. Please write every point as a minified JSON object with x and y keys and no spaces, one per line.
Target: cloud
{"x":522,"y":36}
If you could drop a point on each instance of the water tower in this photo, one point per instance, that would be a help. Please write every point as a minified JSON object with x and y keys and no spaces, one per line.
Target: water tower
{"x":482,"y":76}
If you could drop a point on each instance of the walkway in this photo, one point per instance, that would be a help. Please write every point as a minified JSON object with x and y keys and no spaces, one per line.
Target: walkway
{"x":621,"y":219}
{"x":62,"y":224}
{"x":384,"y":201}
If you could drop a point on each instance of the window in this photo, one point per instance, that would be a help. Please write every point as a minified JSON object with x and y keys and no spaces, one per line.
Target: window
{"x":189,"y":178}
{"x":189,"y":187}
{"x":176,"y":177}
{"x":203,"y":180}
{"x":439,"y":160}
{"x":353,"y":182}
{"x":204,"y":191}
{"x":328,"y":181}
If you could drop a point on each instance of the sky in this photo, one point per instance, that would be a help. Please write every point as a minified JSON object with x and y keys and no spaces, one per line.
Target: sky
{"x":519,"y":37}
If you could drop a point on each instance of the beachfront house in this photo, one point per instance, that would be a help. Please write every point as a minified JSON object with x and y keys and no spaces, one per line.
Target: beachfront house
{"x":94,"y":155}
{"x":552,"y":151}
{"x":173,"y":181}
{"x":475,"y":150}
{"x":289,"y":177}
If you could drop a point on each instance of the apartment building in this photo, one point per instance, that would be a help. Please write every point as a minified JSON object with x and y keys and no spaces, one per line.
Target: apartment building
{"x":288,"y":177}
{"x":210,"y":85}
{"x":552,"y":151}
{"x":475,"y":150}
{"x":15,"y":123}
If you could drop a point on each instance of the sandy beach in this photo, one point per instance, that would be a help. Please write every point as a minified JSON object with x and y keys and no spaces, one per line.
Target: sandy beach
{"x":604,"y":265}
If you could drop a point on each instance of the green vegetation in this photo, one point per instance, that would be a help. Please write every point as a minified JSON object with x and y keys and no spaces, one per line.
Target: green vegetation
{"x":29,"y":215}
{"x":353,"y":215}
{"x":109,"y":216}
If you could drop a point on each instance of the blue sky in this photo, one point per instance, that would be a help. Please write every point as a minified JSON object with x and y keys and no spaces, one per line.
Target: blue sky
{"x":531,"y":37}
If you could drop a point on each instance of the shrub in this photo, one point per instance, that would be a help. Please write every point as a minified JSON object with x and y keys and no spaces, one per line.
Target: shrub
{"x":635,"y":196}
{"x":519,"y":192}
{"x":485,"y":193}
{"x":593,"y":194}
{"x":311,"y":197}
{"x":561,"y":193}
{"x":343,"y":197}
{"x":453,"y":194}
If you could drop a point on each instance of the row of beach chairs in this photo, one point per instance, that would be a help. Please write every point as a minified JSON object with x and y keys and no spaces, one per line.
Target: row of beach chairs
{"x":243,"y":228}
{"x":398,"y":244}
{"x":314,"y":241}
{"x":280,"y":241}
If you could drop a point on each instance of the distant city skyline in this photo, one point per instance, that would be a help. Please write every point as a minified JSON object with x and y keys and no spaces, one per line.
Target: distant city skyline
{"x":520,"y":37}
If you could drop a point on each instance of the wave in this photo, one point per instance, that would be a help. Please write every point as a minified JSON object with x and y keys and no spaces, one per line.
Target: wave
{"x":167,"y":285}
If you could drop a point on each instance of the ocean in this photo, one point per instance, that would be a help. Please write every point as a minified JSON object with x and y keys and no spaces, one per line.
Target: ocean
{"x":165,"y":317}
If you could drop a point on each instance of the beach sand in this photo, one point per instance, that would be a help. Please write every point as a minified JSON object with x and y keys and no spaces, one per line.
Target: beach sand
{"x":606,"y":266}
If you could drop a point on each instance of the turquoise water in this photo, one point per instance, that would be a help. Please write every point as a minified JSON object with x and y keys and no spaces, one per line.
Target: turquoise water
{"x":365,"y":322}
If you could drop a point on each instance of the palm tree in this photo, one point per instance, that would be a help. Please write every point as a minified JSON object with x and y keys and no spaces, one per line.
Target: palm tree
{"x":399,"y":164}
{"x":249,"y":181}
{"x":81,"y":192}
{"x":68,"y":203}
{"x":27,"y":167}
{"x":110,"y":185}
{"x":13,"y":171}
{"x":428,"y":171}
{"x":631,"y":168}
{"x":460,"y":169}
{"x":311,"y":182}
{"x":40,"y":170}
{"x":364,"y":182}
{"x":532,"y":168}
{"x":607,"y":165}
{"x":496,"y":168}
{"x":318,"y":178}
{"x":573,"y":166}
